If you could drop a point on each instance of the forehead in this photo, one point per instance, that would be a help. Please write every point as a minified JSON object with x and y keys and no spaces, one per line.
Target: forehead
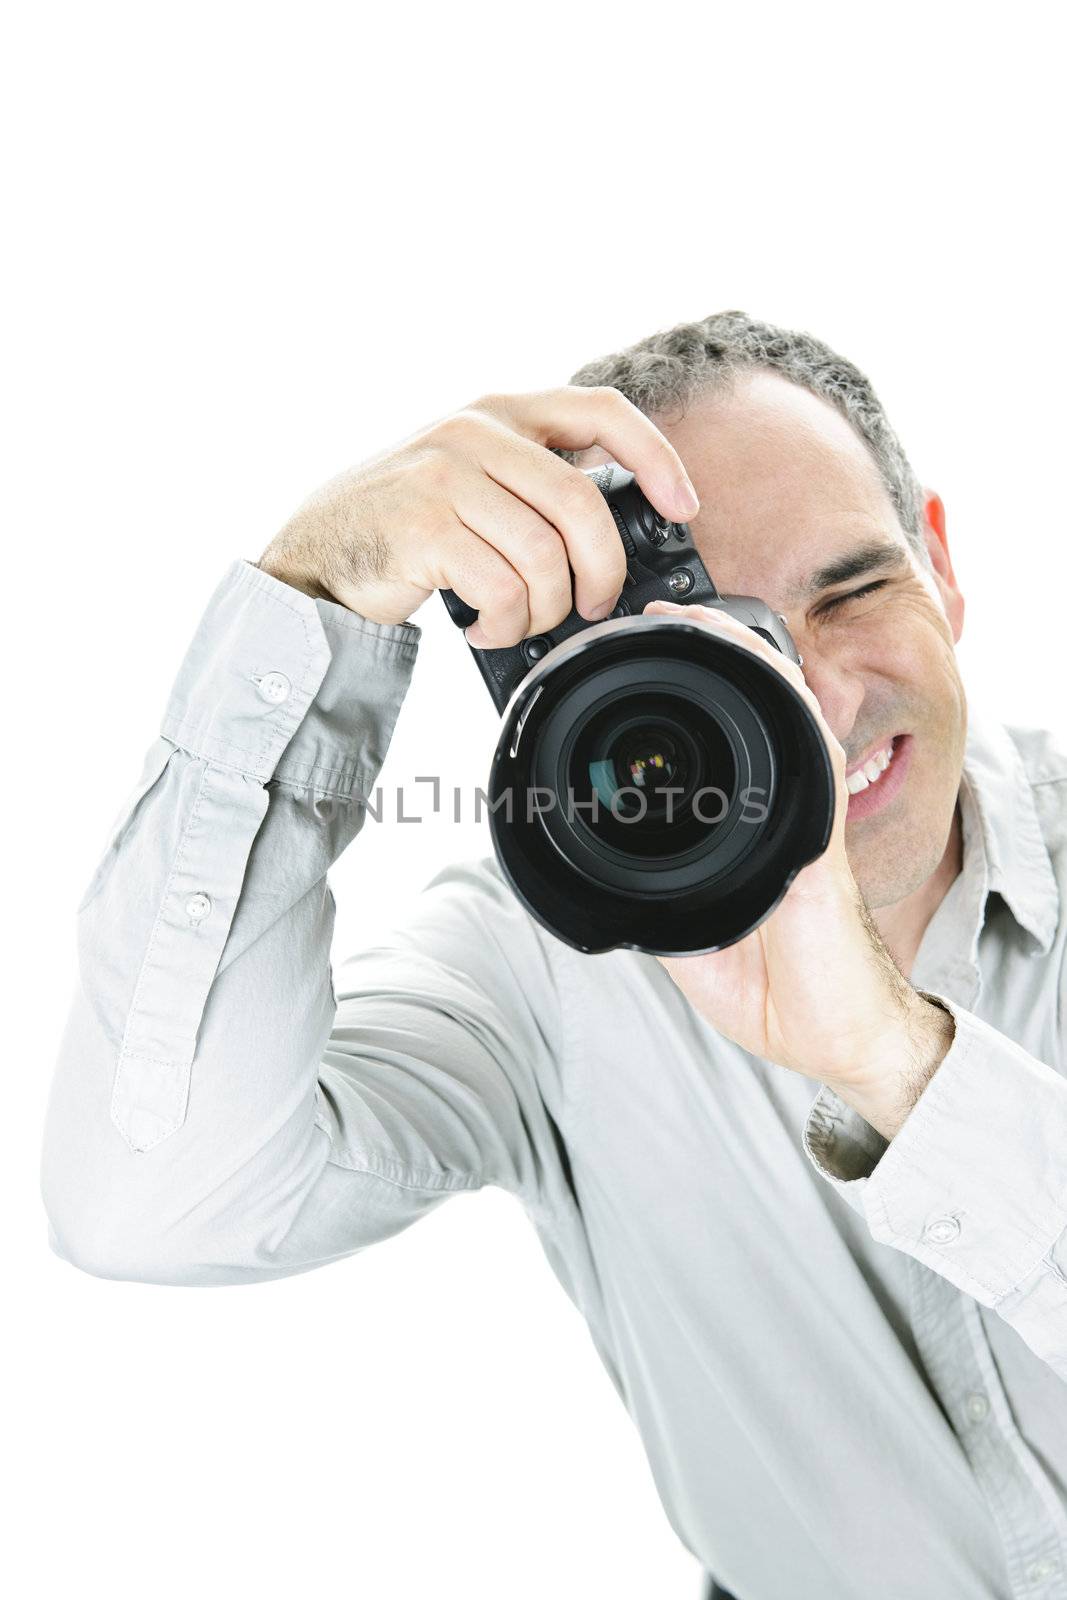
{"x":785,"y":485}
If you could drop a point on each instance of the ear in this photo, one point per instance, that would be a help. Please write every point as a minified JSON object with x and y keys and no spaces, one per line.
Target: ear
{"x":941,"y":561}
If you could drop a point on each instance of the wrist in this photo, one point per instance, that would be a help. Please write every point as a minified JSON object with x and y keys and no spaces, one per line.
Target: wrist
{"x":288,"y":572}
{"x":899,"y":1063}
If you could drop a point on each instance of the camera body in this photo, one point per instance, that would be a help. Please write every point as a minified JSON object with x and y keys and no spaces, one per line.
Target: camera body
{"x":661,"y":564}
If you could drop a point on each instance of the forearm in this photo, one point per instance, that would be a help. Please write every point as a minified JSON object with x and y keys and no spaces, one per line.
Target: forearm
{"x":183,"y":1113}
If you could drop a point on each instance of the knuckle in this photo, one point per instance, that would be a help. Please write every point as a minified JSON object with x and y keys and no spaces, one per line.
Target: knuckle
{"x":494,"y":402}
{"x":509,"y":594}
{"x":434,"y":469}
{"x":612,"y":398}
{"x":454,"y":432}
{"x":578,"y":497}
{"x":542,"y":550}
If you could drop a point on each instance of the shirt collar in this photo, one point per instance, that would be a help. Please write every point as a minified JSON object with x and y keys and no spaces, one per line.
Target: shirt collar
{"x":1000,"y":820}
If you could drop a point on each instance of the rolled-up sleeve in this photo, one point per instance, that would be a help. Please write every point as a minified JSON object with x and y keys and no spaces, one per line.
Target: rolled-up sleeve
{"x":974,"y":1184}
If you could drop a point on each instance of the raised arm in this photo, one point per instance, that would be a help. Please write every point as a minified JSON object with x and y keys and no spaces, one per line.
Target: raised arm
{"x":218,"y":1113}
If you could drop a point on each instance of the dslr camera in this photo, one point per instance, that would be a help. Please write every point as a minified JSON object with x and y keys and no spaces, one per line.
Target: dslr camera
{"x":655,"y":786}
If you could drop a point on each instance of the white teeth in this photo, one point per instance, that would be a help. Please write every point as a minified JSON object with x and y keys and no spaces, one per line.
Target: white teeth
{"x":870,"y":772}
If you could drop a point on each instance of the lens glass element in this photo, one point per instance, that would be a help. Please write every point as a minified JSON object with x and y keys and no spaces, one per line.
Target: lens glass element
{"x":651,"y":776}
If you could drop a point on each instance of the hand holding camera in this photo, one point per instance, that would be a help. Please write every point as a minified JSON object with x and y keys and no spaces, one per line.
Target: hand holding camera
{"x":478,"y":504}
{"x":655,"y":784}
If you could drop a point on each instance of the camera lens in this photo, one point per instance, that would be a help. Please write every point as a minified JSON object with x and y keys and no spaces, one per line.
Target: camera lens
{"x":651,"y":777}
{"x":656,"y":786}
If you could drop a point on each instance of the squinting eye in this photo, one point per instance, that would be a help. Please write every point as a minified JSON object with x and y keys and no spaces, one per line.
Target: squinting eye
{"x":853,"y":594}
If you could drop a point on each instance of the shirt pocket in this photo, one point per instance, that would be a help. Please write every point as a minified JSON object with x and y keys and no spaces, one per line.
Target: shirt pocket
{"x":185,"y":866}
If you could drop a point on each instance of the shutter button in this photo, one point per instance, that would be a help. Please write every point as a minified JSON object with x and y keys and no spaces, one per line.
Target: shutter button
{"x":274,"y":687}
{"x":197,"y":907}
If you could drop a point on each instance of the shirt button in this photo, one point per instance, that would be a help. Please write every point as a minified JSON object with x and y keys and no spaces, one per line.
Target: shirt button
{"x":197,"y":907}
{"x":274,"y":687}
{"x":1038,"y":1571}
{"x":977,"y":1407}
{"x":943,"y":1230}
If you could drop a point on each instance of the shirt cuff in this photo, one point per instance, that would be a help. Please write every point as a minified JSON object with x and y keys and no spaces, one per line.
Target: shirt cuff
{"x":278,"y":685}
{"x":974,"y":1184}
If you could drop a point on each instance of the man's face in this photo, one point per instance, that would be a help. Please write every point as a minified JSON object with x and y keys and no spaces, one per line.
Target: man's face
{"x":787,"y":493}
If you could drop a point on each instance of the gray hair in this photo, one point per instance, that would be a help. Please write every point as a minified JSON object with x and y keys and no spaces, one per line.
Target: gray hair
{"x":667,"y":370}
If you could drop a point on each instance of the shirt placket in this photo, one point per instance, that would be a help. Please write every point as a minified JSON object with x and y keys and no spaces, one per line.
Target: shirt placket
{"x":955,"y":1349}
{"x":1024,"y":1503}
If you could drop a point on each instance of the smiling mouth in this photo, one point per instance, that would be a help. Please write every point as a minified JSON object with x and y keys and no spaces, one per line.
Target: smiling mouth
{"x":870,"y":771}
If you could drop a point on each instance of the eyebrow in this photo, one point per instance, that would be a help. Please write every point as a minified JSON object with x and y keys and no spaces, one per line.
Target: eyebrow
{"x":874,"y":556}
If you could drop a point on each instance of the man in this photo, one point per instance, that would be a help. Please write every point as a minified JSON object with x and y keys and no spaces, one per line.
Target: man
{"x":809,"y":1192}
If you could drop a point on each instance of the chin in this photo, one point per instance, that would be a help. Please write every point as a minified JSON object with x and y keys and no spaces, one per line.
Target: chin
{"x":884,"y":883}
{"x":893,"y":869}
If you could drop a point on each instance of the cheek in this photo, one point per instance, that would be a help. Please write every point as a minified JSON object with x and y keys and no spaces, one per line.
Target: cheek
{"x":908,"y":639}
{"x":909,"y":646}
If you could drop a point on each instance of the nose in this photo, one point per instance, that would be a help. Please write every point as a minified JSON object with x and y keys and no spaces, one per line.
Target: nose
{"x":837,"y":685}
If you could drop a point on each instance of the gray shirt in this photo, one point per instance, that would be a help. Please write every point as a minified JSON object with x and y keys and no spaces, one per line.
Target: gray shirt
{"x":847,"y":1359}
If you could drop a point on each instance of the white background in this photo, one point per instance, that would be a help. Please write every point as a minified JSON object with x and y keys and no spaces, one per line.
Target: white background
{"x":249,"y":245}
